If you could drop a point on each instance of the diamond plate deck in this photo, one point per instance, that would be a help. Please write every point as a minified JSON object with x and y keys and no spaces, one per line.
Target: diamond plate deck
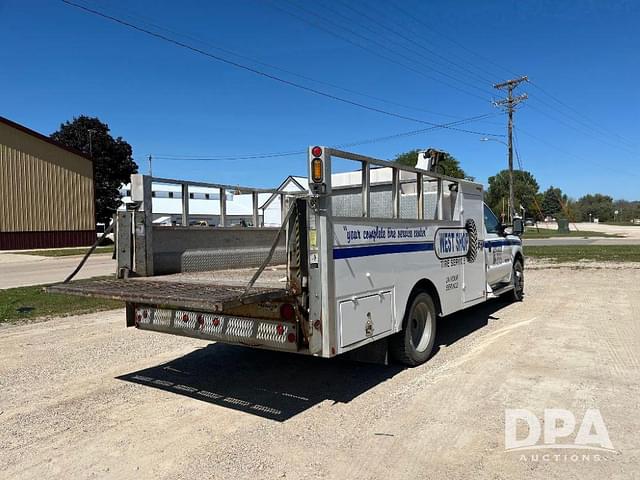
{"x":213,"y":297}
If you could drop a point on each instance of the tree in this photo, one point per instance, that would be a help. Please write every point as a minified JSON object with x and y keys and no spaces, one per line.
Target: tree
{"x":553,"y":202}
{"x":627,"y":210}
{"x":596,"y":206}
{"x":449,"y":165}
{"x":525,"y":189}
{"x":112,"y":157}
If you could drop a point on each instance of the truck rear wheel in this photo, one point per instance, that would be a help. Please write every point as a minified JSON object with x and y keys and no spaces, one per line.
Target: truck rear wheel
{"x":413,"y":345}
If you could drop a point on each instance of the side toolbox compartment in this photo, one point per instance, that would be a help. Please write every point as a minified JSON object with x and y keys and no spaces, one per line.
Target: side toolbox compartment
{"x":365,"y":317}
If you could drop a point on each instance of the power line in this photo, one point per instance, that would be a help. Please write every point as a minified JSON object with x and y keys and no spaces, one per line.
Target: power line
{"x":334,"y":32}
{"x":256,"y":156}
{"x":381,"y":26}
{"x":260,"y":72}
{"x":571,"y":154}
{"x":284,"y":70}
{"x":423,"y":23}
{"x":569,"y":107}
{"x":597,"y":131}
{"x":516,"y":149}
{"x":577,"y":129}
{"x":590,"y":123}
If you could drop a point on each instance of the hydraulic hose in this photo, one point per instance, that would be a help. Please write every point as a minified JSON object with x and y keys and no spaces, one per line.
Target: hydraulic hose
{"x":107,"y":231}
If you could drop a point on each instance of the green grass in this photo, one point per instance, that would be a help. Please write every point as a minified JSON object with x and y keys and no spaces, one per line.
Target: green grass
{"x":574,"y":253}
{"x":531,"y":232}
{"x":65,"y":252}
{"x":24,"y":303}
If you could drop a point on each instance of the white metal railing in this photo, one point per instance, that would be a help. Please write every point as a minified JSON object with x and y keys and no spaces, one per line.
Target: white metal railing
{"x":396,"y":181}
{"x":141,"y":186}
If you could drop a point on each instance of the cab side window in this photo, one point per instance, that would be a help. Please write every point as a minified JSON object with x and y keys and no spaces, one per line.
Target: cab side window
{"x":491,"y":222}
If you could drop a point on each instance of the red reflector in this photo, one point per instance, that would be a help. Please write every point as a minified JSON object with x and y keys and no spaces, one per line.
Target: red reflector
{"x":286,"y":311}
{"x":280,"y":329}
{"x":291,"y":337}
{"x":145,"y":313}
{"x":316,"y":151}
{"x":200,"y":319}
{"x":216,"y":322}
{"x":185,"y":318}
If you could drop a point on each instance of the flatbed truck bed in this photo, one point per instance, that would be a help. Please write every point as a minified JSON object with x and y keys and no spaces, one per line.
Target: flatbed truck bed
{"x":212,"y":291}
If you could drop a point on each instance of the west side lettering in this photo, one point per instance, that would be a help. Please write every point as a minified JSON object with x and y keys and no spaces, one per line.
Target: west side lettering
{"x":452,"y":243}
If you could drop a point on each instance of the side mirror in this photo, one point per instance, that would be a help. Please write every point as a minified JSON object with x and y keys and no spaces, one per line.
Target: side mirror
{"x":518,"y":226}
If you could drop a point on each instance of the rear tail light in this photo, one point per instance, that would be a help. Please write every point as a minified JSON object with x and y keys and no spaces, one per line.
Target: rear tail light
{"x":291,"y":337}
{"x":316,"y":170}
{"x":287,"y":312}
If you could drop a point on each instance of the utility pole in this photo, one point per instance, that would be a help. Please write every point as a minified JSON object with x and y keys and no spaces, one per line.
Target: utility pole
{"x":150,"y":170}
{"x":510,"y":103}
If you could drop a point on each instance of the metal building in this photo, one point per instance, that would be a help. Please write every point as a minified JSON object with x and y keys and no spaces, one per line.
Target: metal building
{"x":46,"y":191}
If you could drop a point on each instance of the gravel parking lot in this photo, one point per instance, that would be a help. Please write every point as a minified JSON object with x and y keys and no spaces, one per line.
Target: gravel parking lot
{"x":84,"y":397}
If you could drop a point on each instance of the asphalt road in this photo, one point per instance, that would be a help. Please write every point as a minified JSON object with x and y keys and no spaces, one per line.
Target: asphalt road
{"x":86,"y":398}
{"x":580,"y":241}
{"x":629,"y":235}
{"x":17,"y":270}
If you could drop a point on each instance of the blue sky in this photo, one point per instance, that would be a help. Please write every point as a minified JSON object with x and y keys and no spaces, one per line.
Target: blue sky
{"x":59,"y":62}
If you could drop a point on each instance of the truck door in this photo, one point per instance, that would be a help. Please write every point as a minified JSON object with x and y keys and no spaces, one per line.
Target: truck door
{"x":498,"y":271}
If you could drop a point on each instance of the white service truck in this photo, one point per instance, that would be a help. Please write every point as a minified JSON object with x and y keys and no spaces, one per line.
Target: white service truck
{"x":365,"y":261}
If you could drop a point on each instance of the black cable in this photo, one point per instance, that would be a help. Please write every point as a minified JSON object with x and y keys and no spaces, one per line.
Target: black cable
{"x":576,"y":129}
{"x":107,"y":231}
{"x":289,"y":72}
{"x":420,"y":20}
{"x":569,"y":107}
{"x":259,"y":72}
{"x":581,"y":159}
{"x":392,"y":59}
{"x":595,"y":127}
{"x":360,"y":14}
{"x":214,"y":158}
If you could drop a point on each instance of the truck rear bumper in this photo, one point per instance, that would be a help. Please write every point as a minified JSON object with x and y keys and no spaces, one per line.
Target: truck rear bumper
{"x":253,"y":332}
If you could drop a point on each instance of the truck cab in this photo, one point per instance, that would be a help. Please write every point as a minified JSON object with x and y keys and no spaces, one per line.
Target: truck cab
{"x":503,"y":253}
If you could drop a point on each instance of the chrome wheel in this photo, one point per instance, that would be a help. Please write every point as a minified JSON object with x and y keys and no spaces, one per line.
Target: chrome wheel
{"x":414,"y":344}
{"x":420,"y":325}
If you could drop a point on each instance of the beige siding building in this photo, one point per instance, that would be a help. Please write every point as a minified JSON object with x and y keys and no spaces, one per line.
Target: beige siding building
{"x":46,"y":192}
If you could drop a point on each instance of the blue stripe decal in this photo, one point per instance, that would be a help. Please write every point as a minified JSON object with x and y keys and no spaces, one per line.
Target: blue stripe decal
{"x":369,"y":250}
{"x":501,"y":243}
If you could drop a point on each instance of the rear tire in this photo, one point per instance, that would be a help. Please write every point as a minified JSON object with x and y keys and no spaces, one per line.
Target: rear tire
{"x":414,"y":344}
{"x":517,"y":294}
